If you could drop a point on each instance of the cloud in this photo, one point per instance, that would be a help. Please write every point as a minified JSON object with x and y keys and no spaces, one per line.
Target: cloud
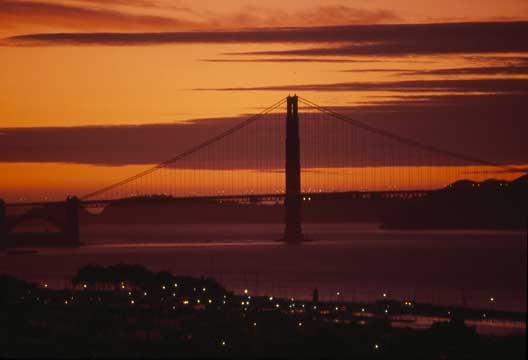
{"x":484,"y":70}
{"x":138,"y":3}
{"x":470,"y":85}
{"x":17,"y":13}
{"x":291,"y":60}
{"x":123,"y":15}
{"x":356,"y":40}
{"x":499,"y":60}
{"x":324,"y":15}
{"x":375,"y":70}
{"x":445,"y":121}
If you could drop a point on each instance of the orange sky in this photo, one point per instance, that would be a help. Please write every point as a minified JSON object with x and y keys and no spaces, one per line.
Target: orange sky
{"x":45,"y":83}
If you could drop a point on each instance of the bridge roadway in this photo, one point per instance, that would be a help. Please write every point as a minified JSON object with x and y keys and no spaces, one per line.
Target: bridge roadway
{"x":252,"y":198}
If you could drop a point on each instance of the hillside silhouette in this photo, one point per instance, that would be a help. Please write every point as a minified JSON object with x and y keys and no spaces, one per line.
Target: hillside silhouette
{"x":491,"y":204}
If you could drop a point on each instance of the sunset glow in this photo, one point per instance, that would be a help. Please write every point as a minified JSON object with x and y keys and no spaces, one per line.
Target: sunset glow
{"x":114,"y":66}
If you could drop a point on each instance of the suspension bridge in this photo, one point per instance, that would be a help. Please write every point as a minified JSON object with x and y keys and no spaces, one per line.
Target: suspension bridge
{"x":307,"y":152}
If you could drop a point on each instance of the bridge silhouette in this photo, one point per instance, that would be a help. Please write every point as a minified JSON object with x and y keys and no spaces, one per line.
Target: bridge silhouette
{"x":292,"y":157}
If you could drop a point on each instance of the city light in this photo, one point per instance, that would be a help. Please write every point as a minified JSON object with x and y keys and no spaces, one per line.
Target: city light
{"x":245,"y":291}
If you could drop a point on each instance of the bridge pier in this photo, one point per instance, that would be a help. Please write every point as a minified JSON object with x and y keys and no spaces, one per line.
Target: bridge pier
{"x":292,"y":201}
{"x":72,"y":220}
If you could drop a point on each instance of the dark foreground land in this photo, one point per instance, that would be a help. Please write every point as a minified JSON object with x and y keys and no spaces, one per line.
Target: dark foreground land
{"x":127,"y":311}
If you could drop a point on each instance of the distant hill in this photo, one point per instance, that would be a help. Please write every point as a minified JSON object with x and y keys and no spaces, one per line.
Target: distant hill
{"x":464,"y":204}
{"x":491,"y":204}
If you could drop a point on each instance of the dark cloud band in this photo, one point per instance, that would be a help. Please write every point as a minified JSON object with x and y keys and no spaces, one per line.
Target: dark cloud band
{"x":445,"y":121}
{"x":357,"y":40}
{"x":507,"y":85}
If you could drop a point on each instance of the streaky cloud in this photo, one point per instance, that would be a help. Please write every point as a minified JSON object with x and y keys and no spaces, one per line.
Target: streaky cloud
{"x":440,"y":120}
{"x":72,"y":16}
{"x":484,"y":70}
{"x":292,"y":60}
{"x":339,"y":41}
{"x":506,"y":85}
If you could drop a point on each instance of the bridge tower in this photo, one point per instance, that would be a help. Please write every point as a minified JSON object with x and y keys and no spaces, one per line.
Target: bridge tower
{"x":292,"y":202}
{"x":71,"y":229}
